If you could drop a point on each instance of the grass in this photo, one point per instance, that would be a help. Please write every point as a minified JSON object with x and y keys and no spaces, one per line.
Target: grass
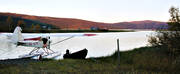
{"x":143,"y":60}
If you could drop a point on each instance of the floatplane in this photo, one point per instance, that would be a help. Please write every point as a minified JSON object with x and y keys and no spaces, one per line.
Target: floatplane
{"x":38,"y":42}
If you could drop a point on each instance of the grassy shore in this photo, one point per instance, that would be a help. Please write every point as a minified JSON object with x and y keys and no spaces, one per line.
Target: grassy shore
{"x":145,"y":60}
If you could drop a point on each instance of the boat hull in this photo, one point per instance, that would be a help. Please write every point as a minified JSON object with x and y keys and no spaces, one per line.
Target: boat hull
{"x":77,"y":55}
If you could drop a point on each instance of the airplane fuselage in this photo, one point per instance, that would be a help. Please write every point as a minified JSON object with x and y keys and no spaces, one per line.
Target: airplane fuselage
{"x":38,"y":44}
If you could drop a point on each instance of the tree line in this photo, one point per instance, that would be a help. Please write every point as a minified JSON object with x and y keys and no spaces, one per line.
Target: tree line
{"x":8,"y":24}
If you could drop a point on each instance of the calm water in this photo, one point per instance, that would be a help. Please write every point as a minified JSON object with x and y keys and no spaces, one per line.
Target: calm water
{"x":101,"y":45}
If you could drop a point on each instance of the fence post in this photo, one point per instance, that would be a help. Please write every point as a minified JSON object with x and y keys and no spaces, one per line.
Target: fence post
{"x":118,"y":53}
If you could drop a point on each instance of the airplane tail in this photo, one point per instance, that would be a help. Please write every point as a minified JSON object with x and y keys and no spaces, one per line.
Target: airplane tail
{"x":17,"y":35}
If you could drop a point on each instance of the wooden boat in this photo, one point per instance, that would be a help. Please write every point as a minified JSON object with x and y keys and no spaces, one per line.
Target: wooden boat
{"x":76,"y":55}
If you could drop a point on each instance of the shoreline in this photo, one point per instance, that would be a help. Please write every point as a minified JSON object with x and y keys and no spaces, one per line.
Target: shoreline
{"x":140,"y":60}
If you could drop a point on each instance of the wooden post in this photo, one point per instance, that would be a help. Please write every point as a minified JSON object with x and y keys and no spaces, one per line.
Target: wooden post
{"x":118,"y":58}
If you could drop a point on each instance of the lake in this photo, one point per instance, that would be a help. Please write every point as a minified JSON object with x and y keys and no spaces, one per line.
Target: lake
{"x":101,"y":45}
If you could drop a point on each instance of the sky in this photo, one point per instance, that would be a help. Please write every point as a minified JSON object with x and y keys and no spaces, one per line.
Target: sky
{"x":108,"y":11}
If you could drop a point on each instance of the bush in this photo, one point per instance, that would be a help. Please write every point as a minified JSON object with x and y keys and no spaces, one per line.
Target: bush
{"x":170,"y":38}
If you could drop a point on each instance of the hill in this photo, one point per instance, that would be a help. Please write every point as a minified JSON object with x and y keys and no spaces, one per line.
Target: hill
{"x":70,"y":23}
{"x":9,"y":22}
{"x":147,"y":24}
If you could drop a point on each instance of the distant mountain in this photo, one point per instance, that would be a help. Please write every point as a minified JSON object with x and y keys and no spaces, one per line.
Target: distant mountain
{"x":64,"y":23}
{"x":147,"y":24}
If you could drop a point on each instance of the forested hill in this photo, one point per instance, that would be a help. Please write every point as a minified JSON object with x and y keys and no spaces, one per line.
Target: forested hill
{"x":8,"y":23}
{"x":69,"y":23}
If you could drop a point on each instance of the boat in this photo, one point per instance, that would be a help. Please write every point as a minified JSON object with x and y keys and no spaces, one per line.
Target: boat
{"x":76,"y":55}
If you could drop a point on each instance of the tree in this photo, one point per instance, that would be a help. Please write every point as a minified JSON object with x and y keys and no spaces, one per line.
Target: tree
{"x":9,"y":22}
{"x":174,"y":21}
{"x":169,"y":39}
{"x":22,"y":23}
{"x":32,"y":27}
{"x":38,"y":27}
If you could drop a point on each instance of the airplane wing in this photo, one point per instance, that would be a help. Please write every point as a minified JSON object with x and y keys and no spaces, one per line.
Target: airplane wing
{"x":25,"y":35}
{"x":18,"y":36}
{"x":5,"y":34}
{"x":31,"y":35}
